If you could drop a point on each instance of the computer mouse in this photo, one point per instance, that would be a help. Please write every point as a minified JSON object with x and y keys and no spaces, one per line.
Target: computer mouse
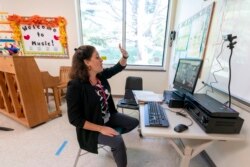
{"x":180,"y":128}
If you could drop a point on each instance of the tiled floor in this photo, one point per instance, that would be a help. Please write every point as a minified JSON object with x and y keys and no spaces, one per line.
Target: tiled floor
{"x":37,"y":147}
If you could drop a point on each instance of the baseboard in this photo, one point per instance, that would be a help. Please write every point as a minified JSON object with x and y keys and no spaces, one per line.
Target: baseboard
{"x":118,"y":96}
{"x":207,"y":158}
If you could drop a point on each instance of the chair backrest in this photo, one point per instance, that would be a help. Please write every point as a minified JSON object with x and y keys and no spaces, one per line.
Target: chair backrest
{"x":134,"y":83}
{"x":64,"y":74}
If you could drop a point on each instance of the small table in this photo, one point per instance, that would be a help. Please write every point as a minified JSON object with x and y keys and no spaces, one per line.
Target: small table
{"x":192,"y":141}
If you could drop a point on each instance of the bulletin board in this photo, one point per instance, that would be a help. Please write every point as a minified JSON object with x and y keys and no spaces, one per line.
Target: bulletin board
{"x":192,"y":35}
{"x":40,"y":36}
{"x":6,"y":33}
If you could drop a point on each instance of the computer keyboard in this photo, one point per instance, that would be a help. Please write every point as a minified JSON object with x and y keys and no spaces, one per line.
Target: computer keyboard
{"x":154,"y":115}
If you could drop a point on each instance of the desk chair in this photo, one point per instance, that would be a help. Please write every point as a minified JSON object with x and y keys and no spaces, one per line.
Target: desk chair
{"x":128,"y":101}
{"x":79,"y":153}
{"x":132,"y":83}
{"x":86,"y":152}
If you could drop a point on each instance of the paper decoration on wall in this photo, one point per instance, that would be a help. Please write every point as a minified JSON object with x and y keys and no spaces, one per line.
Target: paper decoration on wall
{"x":40,"y":36}
{"x":6,"y":34}
{"x":192,"y":35}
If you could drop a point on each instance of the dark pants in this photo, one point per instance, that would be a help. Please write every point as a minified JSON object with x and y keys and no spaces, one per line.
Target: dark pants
{"x":118,"y":148}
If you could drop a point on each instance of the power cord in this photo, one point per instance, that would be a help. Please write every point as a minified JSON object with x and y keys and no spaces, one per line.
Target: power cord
{"x":185,"y":116}
{"x":204,"y":85}
{"x":220,"y":68}
{"x":182,"y":113}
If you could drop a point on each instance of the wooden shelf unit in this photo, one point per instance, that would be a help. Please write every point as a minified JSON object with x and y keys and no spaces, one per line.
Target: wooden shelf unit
{"x":22,"y":91}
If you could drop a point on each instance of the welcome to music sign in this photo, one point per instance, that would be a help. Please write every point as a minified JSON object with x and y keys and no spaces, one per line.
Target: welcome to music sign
{"x":43,"y":37}
{"x":41,"y":40}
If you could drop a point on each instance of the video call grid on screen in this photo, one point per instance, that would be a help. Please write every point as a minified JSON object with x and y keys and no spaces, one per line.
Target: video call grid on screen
{"x":187,"y":73}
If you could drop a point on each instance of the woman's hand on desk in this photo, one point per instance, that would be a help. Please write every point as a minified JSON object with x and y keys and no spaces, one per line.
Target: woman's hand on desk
{"x":105,"y":130}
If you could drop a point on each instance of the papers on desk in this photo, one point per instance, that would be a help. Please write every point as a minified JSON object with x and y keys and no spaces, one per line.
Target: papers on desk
{"x":146,"y":96}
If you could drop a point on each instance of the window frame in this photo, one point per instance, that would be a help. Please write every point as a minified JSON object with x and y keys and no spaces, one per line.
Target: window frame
{"x":131,"y":67}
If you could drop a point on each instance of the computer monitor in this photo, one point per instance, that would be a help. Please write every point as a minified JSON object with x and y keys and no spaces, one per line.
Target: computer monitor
{"x":186,"y":75}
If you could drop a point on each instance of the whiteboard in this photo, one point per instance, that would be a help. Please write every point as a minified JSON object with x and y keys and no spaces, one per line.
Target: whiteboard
{"x":192,"y":35}
{"x":234,"y":19}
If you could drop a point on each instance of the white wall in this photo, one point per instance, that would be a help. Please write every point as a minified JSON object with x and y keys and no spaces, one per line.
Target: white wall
{"x":224,"y":154}
{"x":66,"y":8}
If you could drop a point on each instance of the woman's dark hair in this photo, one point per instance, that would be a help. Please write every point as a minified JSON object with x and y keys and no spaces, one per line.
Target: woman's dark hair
{"x":79,"y":69}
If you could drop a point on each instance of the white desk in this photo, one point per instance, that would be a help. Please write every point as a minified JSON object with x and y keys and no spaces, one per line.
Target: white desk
{"x":193,"y":141}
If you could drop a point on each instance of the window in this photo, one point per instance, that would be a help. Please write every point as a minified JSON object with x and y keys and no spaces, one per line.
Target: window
{"x":138,"y":25}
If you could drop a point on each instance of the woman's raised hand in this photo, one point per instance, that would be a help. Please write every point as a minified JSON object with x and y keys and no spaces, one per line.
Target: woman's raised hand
{"x":123,"y":51}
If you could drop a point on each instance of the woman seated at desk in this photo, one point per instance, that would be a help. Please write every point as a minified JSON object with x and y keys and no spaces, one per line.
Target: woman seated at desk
{"x":91,"y":107}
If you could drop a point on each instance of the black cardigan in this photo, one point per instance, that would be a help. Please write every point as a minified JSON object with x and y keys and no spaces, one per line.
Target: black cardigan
{"x":84,"y":104}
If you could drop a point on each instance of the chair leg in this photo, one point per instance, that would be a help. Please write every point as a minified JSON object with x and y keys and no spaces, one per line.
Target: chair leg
{"x":79,"y":153}
{"x":47,"y":94}
{"x":106,"y":150}
{"x":59,"y":96}
{"x":118,"y":108}
{"x":139,"y":126}
{"x":77,"y":157}
{"x":103,"y":147}
{"x":56,"y":98}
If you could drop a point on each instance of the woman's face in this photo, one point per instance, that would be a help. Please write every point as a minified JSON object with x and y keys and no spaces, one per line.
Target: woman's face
{"x":95,"y":62}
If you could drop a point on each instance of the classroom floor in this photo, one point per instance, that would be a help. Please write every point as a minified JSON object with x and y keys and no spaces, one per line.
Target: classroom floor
{"x":40,"y":147}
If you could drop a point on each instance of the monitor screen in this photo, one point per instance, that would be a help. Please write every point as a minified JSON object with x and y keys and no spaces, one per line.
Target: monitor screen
{"x":186,"y":75}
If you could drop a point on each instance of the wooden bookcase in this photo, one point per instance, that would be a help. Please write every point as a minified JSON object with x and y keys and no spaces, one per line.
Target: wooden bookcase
{"x":22,"y":92}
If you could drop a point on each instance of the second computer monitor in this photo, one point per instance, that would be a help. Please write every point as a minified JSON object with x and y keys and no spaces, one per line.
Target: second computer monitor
{"x":186,"y":75}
